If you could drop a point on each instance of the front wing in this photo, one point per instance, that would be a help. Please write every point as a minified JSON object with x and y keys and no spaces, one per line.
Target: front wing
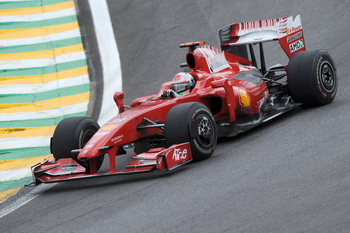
{"x":66,"y":169}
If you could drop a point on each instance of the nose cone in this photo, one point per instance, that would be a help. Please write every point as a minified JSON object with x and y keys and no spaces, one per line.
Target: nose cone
{"x":92,"y":148}
{"x":89,"y":152}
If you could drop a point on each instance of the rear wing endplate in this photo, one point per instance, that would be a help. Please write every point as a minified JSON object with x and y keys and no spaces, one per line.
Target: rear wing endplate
{"x":288,"y":32}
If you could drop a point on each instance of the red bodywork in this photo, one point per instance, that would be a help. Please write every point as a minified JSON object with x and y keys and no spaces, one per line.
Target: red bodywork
{"x":231,"y":87}
{"x":236,"y":97}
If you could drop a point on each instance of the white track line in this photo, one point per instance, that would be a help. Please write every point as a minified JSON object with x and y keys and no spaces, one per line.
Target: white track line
{"x":25,"y":199}
{"x":109,"y":54}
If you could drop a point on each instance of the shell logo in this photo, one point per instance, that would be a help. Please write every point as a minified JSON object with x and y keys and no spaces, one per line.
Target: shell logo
{"x":244,"y":98}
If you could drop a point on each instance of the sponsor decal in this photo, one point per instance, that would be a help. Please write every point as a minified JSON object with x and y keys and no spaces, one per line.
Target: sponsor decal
{"x":257,"y":25}
{"x":244,"y":98}
{"x":180,"y":77}
{"x":282,"y":26}
{"x":216,"y":59}
{"x":117,"y":120}
{"x":288,"y":26}
{"x":89,"y":146}
{"x":160,"y":160}
{"x":108,"y":127}
{"x":69,"y":167}
{"x":117,"y":139}
{"x":101,"y":133}
{"x":291,"y":30}
{"x":294,"y":37}
{"x":179,"y":154}
{"x":296,"y":46}
{"x":294,"y":29}
{"x":217,"y":63}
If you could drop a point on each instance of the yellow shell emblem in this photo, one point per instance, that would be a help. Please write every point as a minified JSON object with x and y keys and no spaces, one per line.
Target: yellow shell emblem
{"x":244,"y":98}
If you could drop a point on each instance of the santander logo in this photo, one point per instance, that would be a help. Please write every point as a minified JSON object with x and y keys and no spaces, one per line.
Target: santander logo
{"x":293,"y":29}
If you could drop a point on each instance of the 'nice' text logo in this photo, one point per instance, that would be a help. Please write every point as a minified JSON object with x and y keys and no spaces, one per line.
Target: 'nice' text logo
{"x":179,"y":154}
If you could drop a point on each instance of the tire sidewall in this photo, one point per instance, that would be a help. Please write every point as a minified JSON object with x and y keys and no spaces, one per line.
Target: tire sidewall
{"x":305,"y":83}
{"x":69,"y":135}
{"x":177,"y":128}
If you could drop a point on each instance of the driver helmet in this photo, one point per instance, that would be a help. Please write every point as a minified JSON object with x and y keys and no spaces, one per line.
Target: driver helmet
{"x":182,"y":83}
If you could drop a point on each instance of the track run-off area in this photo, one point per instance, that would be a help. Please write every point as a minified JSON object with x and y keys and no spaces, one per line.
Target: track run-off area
{"x":43,"y":79}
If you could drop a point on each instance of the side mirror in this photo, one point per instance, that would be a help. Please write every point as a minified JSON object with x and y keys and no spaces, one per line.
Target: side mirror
{"x":119,"y":100}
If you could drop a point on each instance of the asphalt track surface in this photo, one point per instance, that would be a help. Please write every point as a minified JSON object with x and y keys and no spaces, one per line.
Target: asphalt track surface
{"x":289,"y":175}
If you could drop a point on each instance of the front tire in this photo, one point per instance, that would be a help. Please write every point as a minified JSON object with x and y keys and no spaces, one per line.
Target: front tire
{"x":74,"y":133}
{"x":312,"y":78}
{"x":193,"y":123}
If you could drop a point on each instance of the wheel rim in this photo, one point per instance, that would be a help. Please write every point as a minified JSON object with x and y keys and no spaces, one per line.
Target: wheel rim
{"x":327,"y":76}
{"x":205,"y":131}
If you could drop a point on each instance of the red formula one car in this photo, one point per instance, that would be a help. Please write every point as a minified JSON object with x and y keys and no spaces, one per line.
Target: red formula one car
{"x":223,"y":95}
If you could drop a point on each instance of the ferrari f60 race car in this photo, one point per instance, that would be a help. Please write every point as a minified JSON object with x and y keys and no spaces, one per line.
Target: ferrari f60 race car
{"x":224,"y":94}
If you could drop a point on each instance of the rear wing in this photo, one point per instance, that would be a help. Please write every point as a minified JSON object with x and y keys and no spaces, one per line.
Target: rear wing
{"x":288,"y":32}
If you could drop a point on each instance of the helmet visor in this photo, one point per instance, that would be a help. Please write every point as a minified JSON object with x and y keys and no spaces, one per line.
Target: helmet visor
{"x":180,"y":87}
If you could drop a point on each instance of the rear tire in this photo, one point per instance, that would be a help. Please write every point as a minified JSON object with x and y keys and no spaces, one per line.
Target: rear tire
{"x":183,"y":118}
{"x":74,"y":133}
{"x":312,"y":78}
